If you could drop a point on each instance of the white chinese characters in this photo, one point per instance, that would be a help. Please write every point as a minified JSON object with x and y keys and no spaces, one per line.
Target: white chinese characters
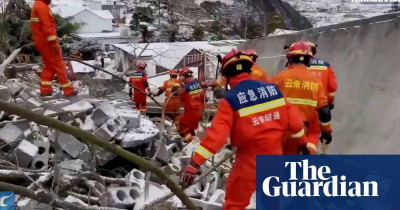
{"x":254,"y":95}
{"x":266,"y":118}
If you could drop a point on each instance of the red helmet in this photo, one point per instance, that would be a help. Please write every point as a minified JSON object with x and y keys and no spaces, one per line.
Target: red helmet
{"x":299,"y":48}
{"x":252,"y":53}
{"x":185,"y":72}
{"x":235,"y":57}
{"x":173,"y":73}
{"x":313,"y":47}
{"x":141,"y":65}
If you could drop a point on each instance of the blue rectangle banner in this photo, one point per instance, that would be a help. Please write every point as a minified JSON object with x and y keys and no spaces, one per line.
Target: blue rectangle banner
{"x":328,"y":182}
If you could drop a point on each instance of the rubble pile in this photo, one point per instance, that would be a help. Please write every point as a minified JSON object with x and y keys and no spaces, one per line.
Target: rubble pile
{"x":66,"y":167}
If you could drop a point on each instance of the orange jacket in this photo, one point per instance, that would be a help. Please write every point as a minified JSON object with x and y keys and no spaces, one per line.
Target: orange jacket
{"x":323,"y":70}
{"x":43,"y":25}
{"x":302,"y":89}
{"x":192,"y":95}
{"x":169,"y":84}
{"x":139,"y":80}
{"x":257,"y":73}
{"x":253,"y":113}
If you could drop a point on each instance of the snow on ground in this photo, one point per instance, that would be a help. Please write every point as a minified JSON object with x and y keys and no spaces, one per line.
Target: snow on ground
{"x":82,"y":68}
{"x":328,"y":12}
{"x":110,"y":66}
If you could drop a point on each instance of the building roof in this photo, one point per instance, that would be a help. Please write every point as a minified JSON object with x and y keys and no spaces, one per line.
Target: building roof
{"x":70,"y":11}
{"x":100,"y":35}
{"x":168,"y":55}
{"x":278,"y":32}
{"x":68,"y":2}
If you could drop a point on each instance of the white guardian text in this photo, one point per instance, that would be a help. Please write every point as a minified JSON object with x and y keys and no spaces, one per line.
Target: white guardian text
{"x":316,"y":182}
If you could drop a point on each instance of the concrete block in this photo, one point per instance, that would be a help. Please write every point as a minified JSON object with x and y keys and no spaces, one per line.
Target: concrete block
{"x":194,"y":191}
{"x":34,"y":103}
{"x":25,"y":152}
{"x":105,"y":112}
{"x":68,"y":143}
{"x":120,"y":122}
{"x":41,"y":159}
{"x":56,"y":104}
{"x":95,"y":102}
{"x":14,"y":88}
{"x":218,"y":197}
{"x":127,"y":108}
{"x":72,"y":199}
{"x":108,"y":130}
{"x":85,"y":156}
{"x":80,"y":106}
{"x":89,"y":125}
{"x":20,"y":102}
{"x":38,"y":111}
{"x":163,"y":155}
{"x":27,"y":93}
{"x":118,"y":103}
{"x":120,"y":136}
{"x":71,"y":167}
{"x":171,"y":169}
{"x":120,"y":197}
{"x":44,"y":130}
{"x":4,"y":93}
{"x":132,"y":117}
{"x":11,"y":133}
{"x":103,"y":156}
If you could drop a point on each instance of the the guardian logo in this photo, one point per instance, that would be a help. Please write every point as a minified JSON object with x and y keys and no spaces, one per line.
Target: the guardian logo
{"x":316,"y":182}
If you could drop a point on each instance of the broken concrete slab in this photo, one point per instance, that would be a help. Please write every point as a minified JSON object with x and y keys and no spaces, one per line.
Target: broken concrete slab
{"x":119,"y":102}
{"x":85,"y":156}
{"x":25,"y":152}
{"x":105,"y":112}
{"x":41,"y":159}
{"x":4,"y":93}
{"x":20,"y":102}
{"x":72,"y":167}
{"x":56,"y":104}
{"x":120,"y":197}
{"x":14,"y":88}
{"x":68,"y":143}
{"x":132,"y":117}
{"x":95,"y":102}
{"x":34,"y":103}
{"x":11,"y":133}
{"x":44,"y":130}
{"x":80,"y":106}
{"x":120,"y":136}
{"x":103,"y":156}
{"x":147,"y":132}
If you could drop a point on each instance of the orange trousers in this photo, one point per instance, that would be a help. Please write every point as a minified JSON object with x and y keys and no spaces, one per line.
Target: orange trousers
{"x":312,"y":132}
{"x":241,"y":183}
{"x":188,"y":123}
{"x":140,"y":101}
{"x":53,"y":65}
{"x":172,"y":108}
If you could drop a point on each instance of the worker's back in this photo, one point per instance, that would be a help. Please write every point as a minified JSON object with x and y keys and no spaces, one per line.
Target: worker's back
{"x":260,"y":115}
{"x":324,"y":72}
{"x":302,"y":89}
{"x":138,"y":79}
{"x":257,"y":73}
{"x":192,"y":96}
{"x":42,"y":23}
{"x":169,"y":84}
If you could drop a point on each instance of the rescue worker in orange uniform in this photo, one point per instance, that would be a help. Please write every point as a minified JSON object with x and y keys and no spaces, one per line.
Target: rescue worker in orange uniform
{"x":44,"y":34}
{"x":306,"y":92}
{"x":139,"y":80}
{"x":323,"y":70}
{"x":174,"y":103}
{"x":192,"y":98}
{"x":256,"y":116}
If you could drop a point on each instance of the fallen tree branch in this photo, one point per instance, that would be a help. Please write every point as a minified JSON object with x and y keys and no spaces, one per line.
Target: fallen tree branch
{"x":92,"y":139}
{"x":17,"y":174}
{"x":84,"y":198}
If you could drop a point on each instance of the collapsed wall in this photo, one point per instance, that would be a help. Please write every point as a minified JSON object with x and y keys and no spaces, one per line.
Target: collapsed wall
{"x":365,"y":56}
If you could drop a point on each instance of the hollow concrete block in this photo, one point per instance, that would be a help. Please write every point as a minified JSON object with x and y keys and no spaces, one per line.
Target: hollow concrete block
{"x":11,"y":133}
{"x":41,"y":159}
{"x":108,"y":130}
{"x":120,"y":197}
{"x":103,"y":113}
{"x":132,"y":117}
{"x":68,"y":143}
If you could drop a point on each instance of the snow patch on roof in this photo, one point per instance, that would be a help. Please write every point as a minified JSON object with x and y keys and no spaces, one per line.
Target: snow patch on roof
{"x":68,"y":2}
{"x":105,"y":14}
{"x":100,"y":35}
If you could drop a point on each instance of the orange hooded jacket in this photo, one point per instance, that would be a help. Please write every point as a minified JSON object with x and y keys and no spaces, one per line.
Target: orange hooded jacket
{"x":323,"y":70}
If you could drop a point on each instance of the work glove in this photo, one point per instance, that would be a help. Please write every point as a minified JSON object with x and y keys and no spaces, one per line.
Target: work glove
{"x":189,"y":173}
{"x":331,"y":106}
{"x":327,"y":136}
{"x":307,"y":148}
